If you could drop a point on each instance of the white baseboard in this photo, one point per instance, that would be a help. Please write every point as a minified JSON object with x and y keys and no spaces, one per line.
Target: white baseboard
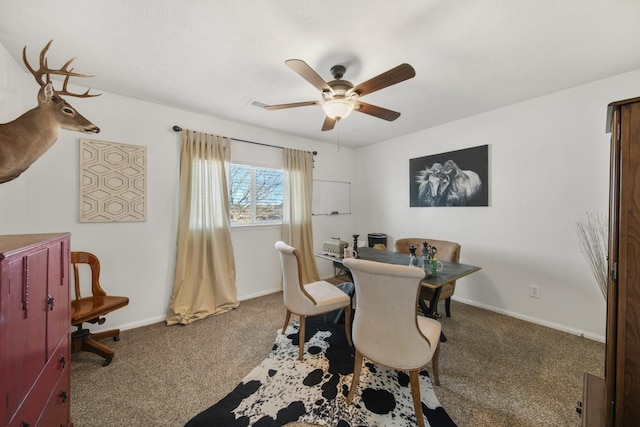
{"x":594,"y":337}
{"x":157,"y":319}
{"x":259,"y":294}
{"x":535,"y":320}
{"x":131,"y":325}
{"x":144,"y":322}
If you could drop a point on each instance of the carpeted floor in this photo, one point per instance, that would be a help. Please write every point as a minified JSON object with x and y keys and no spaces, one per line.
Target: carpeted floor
{"x":495,"y":370}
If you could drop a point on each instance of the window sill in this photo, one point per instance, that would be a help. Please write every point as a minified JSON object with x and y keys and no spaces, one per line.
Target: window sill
{"x":251,"y":227}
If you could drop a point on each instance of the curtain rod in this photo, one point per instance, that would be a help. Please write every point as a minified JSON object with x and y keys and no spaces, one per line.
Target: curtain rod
{"x":177,"y":128}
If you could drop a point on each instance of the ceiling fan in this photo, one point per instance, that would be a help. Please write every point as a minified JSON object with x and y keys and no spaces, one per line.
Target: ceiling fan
{"x":340,"y":97}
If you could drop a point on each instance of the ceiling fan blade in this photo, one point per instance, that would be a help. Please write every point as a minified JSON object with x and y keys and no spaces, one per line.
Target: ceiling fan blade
{"x":395,"y":75}
{"x":291,"y":105}
{"x":329,"y":123}
{"x":379,"y":112}
{"x":307,"y":73}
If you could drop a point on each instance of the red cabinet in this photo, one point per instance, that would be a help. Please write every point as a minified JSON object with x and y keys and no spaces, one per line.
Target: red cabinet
{"x":35,"y":324}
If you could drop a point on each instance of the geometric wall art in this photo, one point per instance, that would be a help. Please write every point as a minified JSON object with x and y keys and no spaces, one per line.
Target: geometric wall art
{"x":454,"y":178}
{"x":113,"y":182}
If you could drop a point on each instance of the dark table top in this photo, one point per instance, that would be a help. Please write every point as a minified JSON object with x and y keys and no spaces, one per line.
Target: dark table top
{"x":451,"y":270}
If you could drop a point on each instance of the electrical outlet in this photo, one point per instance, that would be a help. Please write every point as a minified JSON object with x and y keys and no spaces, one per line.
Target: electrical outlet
{"x":534,"y":291}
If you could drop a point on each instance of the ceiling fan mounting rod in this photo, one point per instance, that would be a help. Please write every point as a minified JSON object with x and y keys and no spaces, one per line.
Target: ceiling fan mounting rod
{"x":337,"y":71}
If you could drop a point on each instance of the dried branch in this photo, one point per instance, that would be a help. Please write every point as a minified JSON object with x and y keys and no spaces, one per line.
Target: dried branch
{"x":592,"y":231}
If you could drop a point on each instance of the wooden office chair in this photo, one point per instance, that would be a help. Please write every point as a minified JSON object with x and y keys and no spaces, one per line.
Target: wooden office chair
{"x":91,"y":309}
{"x":447,"y":251}
{"x":311,"y":299}
{"x":386,"y":327}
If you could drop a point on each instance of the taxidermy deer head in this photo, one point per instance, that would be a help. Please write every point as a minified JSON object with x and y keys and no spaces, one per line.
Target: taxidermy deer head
{"x":25,"y":139}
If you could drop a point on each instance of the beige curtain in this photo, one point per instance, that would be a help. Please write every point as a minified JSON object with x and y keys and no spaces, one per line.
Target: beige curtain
{"x":297,"y":228}
{"x":205,"y":275}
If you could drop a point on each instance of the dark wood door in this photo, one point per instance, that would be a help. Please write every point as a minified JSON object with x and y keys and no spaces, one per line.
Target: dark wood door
{"x":623,"y":301}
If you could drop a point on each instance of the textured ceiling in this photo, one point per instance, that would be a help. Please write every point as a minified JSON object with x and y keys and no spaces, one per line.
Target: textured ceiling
{"x":215,"y":57}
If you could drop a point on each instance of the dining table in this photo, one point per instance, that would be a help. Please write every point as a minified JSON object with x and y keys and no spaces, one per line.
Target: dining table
{"x":450,"y":272}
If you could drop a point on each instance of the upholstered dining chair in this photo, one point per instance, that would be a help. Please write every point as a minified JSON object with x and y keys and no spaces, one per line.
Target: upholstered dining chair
{"x":386,"y":327}
{"x":309,"y":299}
{"x":447,"y":251}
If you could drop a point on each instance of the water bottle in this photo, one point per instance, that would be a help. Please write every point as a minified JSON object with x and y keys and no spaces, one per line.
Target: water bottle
{"x":425,"y":256}
{"x":413,"y":260}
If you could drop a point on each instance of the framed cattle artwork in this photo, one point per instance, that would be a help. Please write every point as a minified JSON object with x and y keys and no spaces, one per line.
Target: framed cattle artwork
{"x":455,"y":178}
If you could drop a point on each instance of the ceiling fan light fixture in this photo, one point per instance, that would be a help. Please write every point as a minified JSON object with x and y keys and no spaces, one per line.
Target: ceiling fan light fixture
{"x":337,"y":108}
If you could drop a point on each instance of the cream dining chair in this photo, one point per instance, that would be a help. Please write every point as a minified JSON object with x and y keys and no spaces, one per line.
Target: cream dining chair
{"x":309,"y":299}
{"x":447,"y":251}
{"x":386,"y":327}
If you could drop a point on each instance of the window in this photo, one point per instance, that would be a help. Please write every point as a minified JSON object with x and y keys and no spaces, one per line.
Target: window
{"x":255,"y":195}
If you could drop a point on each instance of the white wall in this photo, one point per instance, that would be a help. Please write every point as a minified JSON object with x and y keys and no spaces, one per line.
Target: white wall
{"x":548,"y":163}
{"x":138,"y":257}
{"x":13,"y":103}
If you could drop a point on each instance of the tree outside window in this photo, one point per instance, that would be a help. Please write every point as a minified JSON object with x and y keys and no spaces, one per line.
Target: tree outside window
{"x":256,"y":195}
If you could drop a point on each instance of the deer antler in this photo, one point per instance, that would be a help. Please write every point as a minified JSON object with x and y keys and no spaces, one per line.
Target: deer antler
{"x":44,"y":70}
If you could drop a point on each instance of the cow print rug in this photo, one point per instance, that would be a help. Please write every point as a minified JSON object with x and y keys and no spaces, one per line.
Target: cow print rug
{"x":282,"y":389}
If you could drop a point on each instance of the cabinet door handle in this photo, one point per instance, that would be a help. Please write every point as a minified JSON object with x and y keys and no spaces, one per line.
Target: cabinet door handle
{"x":64,"y":396}
{"x":24,"y":424}
{"x":63,"y":361}
{"x":50,"y":301}
{"x":25,"y":287}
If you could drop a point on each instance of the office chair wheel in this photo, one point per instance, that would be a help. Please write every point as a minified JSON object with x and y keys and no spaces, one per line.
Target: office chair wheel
{"x":116,"y":337}
{"x":107,"y":361}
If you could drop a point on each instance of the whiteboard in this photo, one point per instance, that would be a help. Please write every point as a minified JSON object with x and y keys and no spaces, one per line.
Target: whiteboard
{"x":331,"y":197}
